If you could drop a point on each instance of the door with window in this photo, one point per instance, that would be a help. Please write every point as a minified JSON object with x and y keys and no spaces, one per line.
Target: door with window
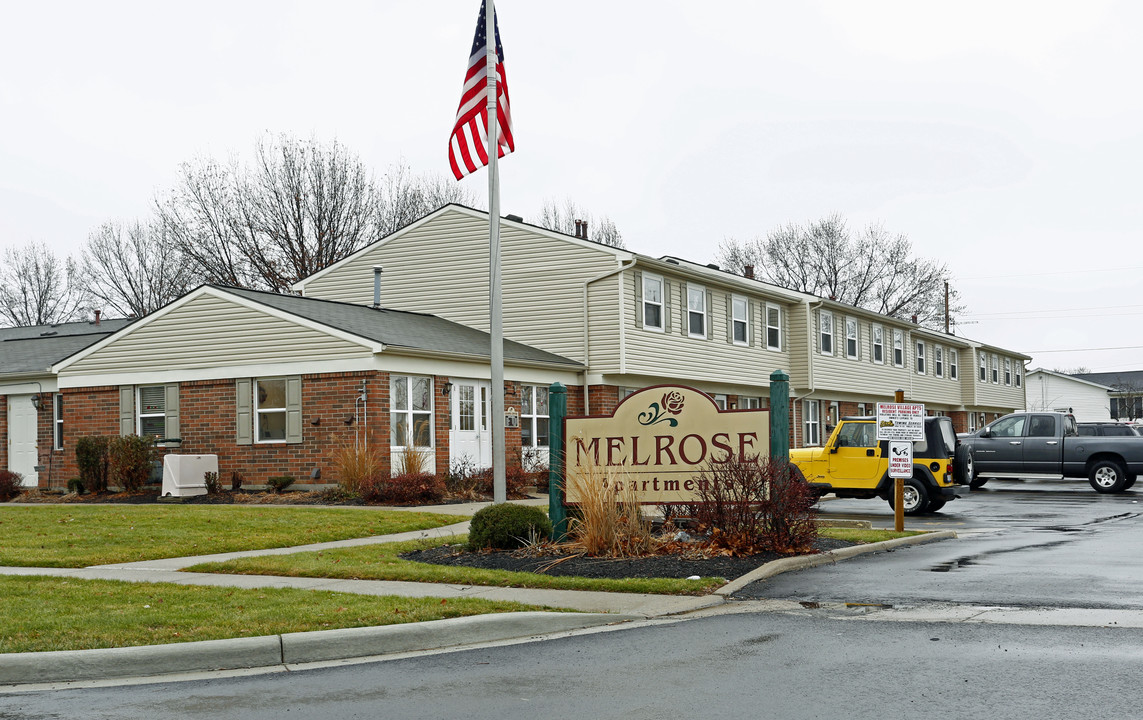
{"x":470,"y":437}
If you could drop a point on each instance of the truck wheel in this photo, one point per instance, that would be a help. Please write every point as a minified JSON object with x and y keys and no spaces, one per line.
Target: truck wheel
{"x":916,"y":497}
{"x":1130,"y":482}
{"x":964,"y":466}
{"x":977,"y":482}
{"x":1107,"y":476}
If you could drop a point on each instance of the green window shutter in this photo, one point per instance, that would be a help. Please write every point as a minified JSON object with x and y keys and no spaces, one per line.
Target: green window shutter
{"x":638,"y":299}
{"x":729,"y":318}
{"x":666,"y":306}
{"x":686,"y":316}
{"x":126,"y":409}
{"x":172,"y":410}
{"x":243,"y":411}
{"x":294,"y":409}
{"x":709,"y":315}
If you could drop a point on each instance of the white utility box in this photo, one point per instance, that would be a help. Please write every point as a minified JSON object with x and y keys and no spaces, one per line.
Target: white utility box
{"x":185,"y":475}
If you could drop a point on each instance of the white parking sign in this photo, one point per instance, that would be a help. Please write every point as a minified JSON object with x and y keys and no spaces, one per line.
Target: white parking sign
{"x":900,"y":421}
{"x":900,"y":459}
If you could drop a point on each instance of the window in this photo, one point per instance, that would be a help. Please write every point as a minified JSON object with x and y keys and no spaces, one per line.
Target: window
{"x":862,"y":409}
{"x":411,"y":411}
{"x":739,"y":310}
{"x":812,"y":434}
{"x":920,"y":358}
{"x":939,"y":361}
{"x":1007,"y":371}
{"x":1019,"y":366}
{"x":1009,"y":427}
{"x":534,"y":416}
{"x":825,"y":327}
{"x":851,"y":338}
{"x":57,"y":421}
{"x":750,"y":403}
{"x":995,"y":369}
{"x":878,"y":334}
{"x":952,"y":363}
{"x":720,"y":401}
{"x":696,"y":311}
{"x":152,"y":404}
{"x":898,"y":348}
{"x":270,"y":410}
{"x":773,"y":327}
{"x":1042,"y":426}
{"x":653,"y":302}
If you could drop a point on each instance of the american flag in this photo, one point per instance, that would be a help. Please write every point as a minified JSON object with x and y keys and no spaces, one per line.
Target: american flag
{"x":467,"y":149}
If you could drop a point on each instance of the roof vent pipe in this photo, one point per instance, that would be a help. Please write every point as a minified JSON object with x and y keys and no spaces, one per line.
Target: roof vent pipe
{"x":98,"y":314}
{"x":749,"y":271}
{"x":577,"y":228}
{"x":376,"y":286}
{"x":585,"y":229}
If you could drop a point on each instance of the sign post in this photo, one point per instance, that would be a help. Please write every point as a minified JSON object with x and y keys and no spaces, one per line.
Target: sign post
{"x":901,"y":424}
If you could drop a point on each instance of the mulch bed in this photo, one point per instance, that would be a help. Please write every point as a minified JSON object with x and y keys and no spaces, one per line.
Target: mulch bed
{"x":668,"y":566}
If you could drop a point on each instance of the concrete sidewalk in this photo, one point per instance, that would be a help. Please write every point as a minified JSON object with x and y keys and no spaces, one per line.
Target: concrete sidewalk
{"x":594,"y":609}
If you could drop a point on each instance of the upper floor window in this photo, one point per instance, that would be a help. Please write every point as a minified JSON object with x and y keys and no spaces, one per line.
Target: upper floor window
{"x":995,"y":369}
{"x":851,"y":338}
{"x":534,"y":416}
{"x":410,"y":411}
{"x":920,"y":358}
{"x":653,"y":302}
{"x":939,"y":361}
{"x":696,"y":311}
{"x":983,"y":368}
{"x":878,"y":334}
{"x":825,"y":327}
{"x":773,"y":327}
{"x":898,"y":348}
{"x":1007,"y":371}
{"x":740,"y":323}
{"x":952,"y":363}
{"x":1019,"y":365}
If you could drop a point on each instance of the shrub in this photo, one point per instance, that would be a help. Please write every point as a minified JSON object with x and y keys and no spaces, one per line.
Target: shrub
{"x":91,"y":457}
{"x":464,"y":479}
{"x":609,"y":521}
{"x":412,"y":488}
{"x":75,"y":485}
{"x":359,"y":467}
{"x":129,"y":461}
{"x":516,"y":482}
{"x":278,"y":483}
{"x":506,"y":527}
{"x":213,"y":484}
{"x":10,"y":484}
{"x":788,"y":515}
{"x":235,"y":481}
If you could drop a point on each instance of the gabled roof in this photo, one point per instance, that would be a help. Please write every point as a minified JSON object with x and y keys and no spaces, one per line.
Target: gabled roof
{"x":34,"y":349}
{"x":1065,"y":376}
{"x":1131,"y":380}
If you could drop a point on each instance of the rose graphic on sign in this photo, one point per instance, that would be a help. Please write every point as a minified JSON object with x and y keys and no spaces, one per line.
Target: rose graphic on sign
{"x":672,"y":403}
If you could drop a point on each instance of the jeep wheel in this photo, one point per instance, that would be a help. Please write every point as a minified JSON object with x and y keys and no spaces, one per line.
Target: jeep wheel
{"x":916,"y":497}
{"x":935,"y":505}
{"x":964,"y":465}
{"x":977,"y":482}
{"x":1107,"y":476}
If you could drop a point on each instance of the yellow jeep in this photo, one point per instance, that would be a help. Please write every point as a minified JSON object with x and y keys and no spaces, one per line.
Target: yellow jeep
{"x":853,"y":464}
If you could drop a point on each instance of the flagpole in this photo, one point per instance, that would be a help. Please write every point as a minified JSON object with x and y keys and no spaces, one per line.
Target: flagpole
{"x":495,"y":313}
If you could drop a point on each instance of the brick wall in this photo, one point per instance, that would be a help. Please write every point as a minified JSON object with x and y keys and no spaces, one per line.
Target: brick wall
{"x":4,"y":431}
{"x":602,"y":399}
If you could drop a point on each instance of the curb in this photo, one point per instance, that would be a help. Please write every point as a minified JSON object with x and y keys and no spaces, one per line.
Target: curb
{"x":288,"y":649}
{"x":801,"y":562}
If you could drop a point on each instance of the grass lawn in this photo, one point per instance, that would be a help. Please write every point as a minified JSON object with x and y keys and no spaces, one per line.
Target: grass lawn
{"x":862,"y":536}
{"x":47,"y":613}
{"x":77,"y":536}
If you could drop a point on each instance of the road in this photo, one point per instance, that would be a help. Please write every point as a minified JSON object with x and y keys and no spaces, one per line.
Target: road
{"x":826,"y":648}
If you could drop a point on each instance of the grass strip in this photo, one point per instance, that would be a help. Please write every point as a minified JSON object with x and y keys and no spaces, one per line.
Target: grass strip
{"x":71,"y":536}
{"x":381,"y":562}
{"x":48,"y":613}
{"x":862,"y":536}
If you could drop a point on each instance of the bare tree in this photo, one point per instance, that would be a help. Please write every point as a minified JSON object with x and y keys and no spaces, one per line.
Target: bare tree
{"x":406,"y":196}
{"x":562,"y":218}
{"x":875,"y":269}
{"x":38,"y":288}
{"x":134,"y":270}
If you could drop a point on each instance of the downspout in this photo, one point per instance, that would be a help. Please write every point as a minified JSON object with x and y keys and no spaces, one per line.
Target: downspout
{"x":586,"y":334}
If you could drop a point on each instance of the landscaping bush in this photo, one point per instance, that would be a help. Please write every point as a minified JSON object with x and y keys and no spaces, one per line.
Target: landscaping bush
{"x":129,"y":461}
{"x":75,"y":485}
{"x":788,"y":516}
{"x":517,"y":483}
{"x":10,"y":484}
{"x":506,"y":527}
{"x":609,"y":521}
{"x":91,"y":457}
{"x":278,"y":483}
{"x":464,"y":479}
{"x":213,"y":484}
{"x":235,"y":481}
{"x":409,"y":489}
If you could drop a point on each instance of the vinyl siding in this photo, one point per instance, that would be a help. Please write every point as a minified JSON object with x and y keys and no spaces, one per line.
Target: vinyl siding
{"x":209,"y":331}
{"x":603,"y":320}
{"x":990,"y":394}
{"x":673,"y":354}
{"x":1050,"y":392}
{"x":441,"y":268}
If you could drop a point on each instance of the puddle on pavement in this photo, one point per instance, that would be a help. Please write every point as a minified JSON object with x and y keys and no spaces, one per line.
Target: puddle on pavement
{"x":953,"y":565}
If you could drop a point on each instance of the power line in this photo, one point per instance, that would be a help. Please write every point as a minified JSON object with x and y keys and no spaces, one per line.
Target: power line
{"x":1044,"y":274}
{"x":1125,"y":347}
{"x":1099,"y":307}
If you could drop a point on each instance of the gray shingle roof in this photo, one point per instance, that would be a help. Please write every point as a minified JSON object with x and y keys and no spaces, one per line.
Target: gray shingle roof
{"x":33,"y":349}
{"x":399,"y":329}
{"x":1124,"y":380}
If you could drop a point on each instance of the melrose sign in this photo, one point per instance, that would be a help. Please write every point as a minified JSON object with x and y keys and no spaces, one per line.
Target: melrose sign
{"x":659,"y":439}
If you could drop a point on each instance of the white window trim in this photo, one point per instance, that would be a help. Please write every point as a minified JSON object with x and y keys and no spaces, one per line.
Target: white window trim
{"x":409,"y":412}
{"x":982,"y":372}
{"x":954,"y":371}
{"x":1008,"y":371}
{"x":648,"y":277}
{"x":856,"y":354}
{"x":57,"y":421}
{"x":769,"y":327}
{"x":258,"y":411}
{"x":822,"y":334}
{"x":1019,"y":366}
{"x":734,"y":320}
{"x":533,"y":417}
{"x":898,"y":341}
{"x":995,"y":369}
{"x":874,"y":329}
{"x":919,"y":357}
{"x":811,"y":423}
{"x":705,"y":312}
{"x":938,"y":361}
{"x":139,"y":414}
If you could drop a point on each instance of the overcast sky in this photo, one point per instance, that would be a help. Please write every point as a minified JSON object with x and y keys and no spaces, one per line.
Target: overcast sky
{"x":1003,"y":138}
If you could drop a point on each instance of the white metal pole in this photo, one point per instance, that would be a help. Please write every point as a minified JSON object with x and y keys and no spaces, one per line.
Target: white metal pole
{"x":495,"y":321}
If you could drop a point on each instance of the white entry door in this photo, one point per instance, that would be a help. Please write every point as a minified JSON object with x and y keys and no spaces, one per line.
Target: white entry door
{"x":469,"y":436}
{"x":22,"y":454}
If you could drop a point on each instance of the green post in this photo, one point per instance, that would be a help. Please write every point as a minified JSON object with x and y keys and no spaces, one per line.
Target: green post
{"x":557,"y":411}
{"x":780,"y":416}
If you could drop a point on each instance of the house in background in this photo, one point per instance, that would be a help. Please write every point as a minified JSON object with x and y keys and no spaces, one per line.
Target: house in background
{"x":1089,"y":401}
{"x":1126,"y":392}
{"x":32,"y":409}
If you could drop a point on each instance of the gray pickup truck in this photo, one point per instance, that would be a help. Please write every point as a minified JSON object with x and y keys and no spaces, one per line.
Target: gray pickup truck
{"x":1048,"y":445}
